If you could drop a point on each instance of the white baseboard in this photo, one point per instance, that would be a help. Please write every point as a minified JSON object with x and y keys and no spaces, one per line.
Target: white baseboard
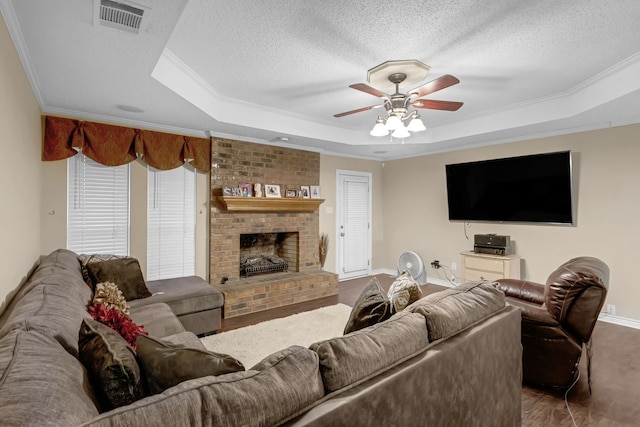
{"x":430,"y":279}
{"x":441,"y":282}
{"x":388,"y":271}
{"x":618,"y":320}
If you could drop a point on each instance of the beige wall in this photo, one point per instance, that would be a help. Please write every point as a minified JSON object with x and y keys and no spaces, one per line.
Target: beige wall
{"x":608,"y":208}
{"x":328,"y":167}
{"x":20,"y":189}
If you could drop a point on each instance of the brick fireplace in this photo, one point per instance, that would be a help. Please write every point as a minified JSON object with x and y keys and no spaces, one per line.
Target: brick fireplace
{"x":236,"y":162}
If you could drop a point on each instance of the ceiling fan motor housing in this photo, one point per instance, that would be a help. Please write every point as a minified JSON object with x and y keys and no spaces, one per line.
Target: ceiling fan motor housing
{"x":397,"y":104}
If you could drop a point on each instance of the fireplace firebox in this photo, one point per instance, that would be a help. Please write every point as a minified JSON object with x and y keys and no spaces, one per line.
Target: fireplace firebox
{"x":263,"y":253}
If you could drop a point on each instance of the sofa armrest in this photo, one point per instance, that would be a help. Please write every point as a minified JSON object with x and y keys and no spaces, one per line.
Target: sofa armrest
{"x":522,"y":289}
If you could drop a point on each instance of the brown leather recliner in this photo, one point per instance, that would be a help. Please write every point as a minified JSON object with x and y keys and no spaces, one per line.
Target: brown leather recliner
{"x":557,"y":318}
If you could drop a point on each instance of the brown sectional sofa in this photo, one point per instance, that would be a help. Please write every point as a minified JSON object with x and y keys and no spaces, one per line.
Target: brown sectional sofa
{"x":412,"y":369}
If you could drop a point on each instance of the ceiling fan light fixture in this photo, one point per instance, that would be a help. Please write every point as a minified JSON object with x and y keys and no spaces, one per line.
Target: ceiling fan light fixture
{"x":379,"y":128}
{"x":416,"y":124}
{"x":393,"y":122}
{"x":401,"y":132}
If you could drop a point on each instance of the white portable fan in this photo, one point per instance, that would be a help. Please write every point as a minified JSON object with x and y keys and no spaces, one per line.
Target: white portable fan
{"x":411,"y":262}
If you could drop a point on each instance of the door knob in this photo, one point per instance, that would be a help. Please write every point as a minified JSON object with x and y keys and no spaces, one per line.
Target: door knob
{"x":341,"y":234}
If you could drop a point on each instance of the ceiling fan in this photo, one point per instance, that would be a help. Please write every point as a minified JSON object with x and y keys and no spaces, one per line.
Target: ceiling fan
{"x":397,"y":104}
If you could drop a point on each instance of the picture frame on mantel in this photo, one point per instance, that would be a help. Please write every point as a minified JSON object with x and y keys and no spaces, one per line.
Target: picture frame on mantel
{"x":246,"y":190}
{"x":315,"y":192}
{"x":304,"y":192}
{"x":292,"y":193}
{"x":272,"y":190}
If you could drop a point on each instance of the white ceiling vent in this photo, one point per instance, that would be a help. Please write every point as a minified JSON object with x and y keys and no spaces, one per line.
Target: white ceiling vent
{"x":120,"y":15}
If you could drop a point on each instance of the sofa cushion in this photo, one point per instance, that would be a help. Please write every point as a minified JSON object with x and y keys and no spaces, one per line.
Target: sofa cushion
{"x":184,"y":295}
{"x":59,"y":260}
{"x":124,"y":272}
{"x":41,"y":383}
{"x":372,"y":307}
{"x":404,"y":291}
{"x":157,"y":319}
{"x":453,"y":310}
{"x":112,"y":363}
{"x":275,"y":390}
{"x":166,"y":365}
{"x":52,"y":308}
{"x":366,"y":352}
{"x":52,"y":301}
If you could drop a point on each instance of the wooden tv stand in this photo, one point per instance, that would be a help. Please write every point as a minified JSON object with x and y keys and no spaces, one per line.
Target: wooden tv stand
{"x":491,"y":267}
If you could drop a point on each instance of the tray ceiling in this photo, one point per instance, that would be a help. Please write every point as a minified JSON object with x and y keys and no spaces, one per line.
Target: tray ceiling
{"x":263,"y":71}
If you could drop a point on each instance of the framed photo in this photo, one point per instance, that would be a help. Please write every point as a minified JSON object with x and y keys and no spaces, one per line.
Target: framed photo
{"x":227,"y":191}
{"x":272,"y":190}
{"x":292,"y":193}
{"x":246,"y":190}
{"x":304,"y":191}
{"x":315,"y":192}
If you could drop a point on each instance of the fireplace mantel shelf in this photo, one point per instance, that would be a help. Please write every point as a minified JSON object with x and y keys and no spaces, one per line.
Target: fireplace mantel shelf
{"x":268,"y":204}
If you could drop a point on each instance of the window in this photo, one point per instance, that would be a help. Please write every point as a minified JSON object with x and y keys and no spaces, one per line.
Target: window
{"x":171,"y":223}
{"x":97,"y":207}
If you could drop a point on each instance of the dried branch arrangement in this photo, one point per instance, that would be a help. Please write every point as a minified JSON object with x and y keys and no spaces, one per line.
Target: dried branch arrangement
{"x":323,"y":247}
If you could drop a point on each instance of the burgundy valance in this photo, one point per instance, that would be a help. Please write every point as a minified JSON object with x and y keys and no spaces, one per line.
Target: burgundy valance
{"x":112,"y":145}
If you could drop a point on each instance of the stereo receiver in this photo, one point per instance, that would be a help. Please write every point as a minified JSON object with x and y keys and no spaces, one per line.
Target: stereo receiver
{"x":492,"y":244}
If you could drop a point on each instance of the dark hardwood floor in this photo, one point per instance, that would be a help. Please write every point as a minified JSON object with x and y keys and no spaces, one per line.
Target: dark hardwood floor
{"x":348,"y":293}
{"x":615,"y":368}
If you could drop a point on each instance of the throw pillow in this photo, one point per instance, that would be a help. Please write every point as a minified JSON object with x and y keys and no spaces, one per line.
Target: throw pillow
{"x":112,"y":365}
{"x":166,"y":365}
{"x":404,"y":291}
{"x":124,"y":272}
{"x":372,"y":307}
{"x":85,"y":260}
{"x":116,"y":320}
{"x":109,"y":295}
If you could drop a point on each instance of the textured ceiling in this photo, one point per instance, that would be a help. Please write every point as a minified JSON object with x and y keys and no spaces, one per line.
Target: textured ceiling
{"x":259,"y":70}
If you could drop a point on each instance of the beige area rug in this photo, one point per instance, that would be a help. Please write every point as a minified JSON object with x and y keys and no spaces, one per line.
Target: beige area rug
{"x":253,"y":343}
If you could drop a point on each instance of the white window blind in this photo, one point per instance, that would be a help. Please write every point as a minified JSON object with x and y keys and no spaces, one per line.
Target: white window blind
{"x":97,"y":207}
{"x":171,"y":223}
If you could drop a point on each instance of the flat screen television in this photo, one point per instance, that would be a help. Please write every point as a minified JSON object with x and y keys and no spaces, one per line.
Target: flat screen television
{"x":534,"y":188}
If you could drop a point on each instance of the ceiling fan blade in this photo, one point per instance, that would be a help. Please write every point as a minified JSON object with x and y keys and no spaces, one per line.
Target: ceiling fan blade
{"x":359,"y":110}
{"x":368,"y":89}
{"x":432,"y":104}
{"x":434,"y":86}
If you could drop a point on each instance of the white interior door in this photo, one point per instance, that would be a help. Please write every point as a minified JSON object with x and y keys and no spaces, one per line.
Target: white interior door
{"x":354,"y":224}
